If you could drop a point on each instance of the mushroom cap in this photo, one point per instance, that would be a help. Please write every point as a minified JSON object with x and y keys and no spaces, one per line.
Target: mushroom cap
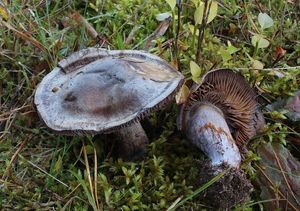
{"x":96,"y":90}
{"x":230,"y":92}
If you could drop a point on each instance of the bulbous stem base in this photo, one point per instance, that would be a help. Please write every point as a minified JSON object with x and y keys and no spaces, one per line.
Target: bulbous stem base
{"x":231,"y":189}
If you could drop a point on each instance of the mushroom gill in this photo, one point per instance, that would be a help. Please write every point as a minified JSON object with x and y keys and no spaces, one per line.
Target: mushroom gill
{"x":231,"y":93}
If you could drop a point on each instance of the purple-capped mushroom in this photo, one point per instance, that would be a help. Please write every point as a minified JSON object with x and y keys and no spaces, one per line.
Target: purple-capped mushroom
{"x":96,"y":91}
{"x":220,"y":116}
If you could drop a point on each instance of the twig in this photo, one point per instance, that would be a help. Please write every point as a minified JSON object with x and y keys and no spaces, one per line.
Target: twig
{"x":14,"y":110}
{"x":95,"y":179}
{"x":272,"y":184}
{"x":6,"y":126}
{"x":176,"y":49}
{"x":24,"y":36}
{"x":45,"y":172}
{"x":259,"y":7}
{"x":168,"y":42}
{"x":268,"y":69}
{"x":1,"y":94}
{"x":233,"y":39}
{"x":284,"y":177}
{"x":131,"y":34}
{"x":90,"y":29}
{"x":202,"y":29}
{"x":13,"y":158}
{"x":88,"y":170}
{"x":159,"y":31}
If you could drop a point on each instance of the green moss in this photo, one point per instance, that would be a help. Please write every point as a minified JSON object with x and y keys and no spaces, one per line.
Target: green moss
{"x":50,"y":172}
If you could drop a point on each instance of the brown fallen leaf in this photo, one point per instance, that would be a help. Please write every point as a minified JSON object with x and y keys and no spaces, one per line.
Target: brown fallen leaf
{"x":278,"y":177}
{"x":279,"y":54}
{"x":23,"y":35}
{"x":81,"y":21}
{"x":182,"y":95}
{"x":160,"y":30}
{"x":293,"y":106}
{"x":131,"y":34}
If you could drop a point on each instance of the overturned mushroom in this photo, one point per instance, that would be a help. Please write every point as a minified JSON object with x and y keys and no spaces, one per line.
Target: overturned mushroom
{"x":100,"y":91}
{"x":219,"y":117}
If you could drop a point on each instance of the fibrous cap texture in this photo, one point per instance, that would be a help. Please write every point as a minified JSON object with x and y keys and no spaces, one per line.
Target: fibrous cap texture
{"x":97,"y":90}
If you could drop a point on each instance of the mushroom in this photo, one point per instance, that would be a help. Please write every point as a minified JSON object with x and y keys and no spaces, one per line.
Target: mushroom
{"x":96,"y":91}
{"x":220,"y":117}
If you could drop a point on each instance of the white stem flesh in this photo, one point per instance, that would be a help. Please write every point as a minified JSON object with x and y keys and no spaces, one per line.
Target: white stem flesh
{"x":208,"y":130}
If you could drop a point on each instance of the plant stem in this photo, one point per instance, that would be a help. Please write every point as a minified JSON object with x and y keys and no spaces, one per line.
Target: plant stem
{"x":207,"y":6}
{"x":179,"y":8}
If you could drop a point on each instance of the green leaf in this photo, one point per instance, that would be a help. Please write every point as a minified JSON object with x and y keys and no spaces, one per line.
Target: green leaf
{"x":57,"y":165}
{"x":199,"y":13}
{"x":231,"y":49}
{"x":257,"y":64}
{"x":192,"y":28}
{"x":163,"y":16}
{"x":196,"y":2}
{"x":225,"y":54}
{"x":259,"y":41}
{"x":172,"y":3}
{"x":213,"y":11}
{"x":196,"y":71}
{"x":198,"y":16}
{"x":94,"y":7}
{"x":120,"y":41}
{"x":85,"y":188}
{"x":265,"y":21}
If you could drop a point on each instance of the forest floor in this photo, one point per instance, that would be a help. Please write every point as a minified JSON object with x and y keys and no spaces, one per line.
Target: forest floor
{"x":40,"y":170}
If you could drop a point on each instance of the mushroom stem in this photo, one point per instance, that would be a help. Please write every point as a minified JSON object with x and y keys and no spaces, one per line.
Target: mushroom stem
{"x":206,"y":127}
{"x":132,"y":142}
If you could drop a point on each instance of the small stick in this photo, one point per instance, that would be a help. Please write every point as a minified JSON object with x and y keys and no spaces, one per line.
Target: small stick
{"x":45,"y":172}
{"x":90,"y":29}
{"x":24,"y":36}
{"x":202,"y":29}
{"x":179,"y":8}
{"x":95,"y":179}
{"x":284,"y":177}
{"x":88,"y":170}
{"x":272,"y":184}
{"x":13,"y":158}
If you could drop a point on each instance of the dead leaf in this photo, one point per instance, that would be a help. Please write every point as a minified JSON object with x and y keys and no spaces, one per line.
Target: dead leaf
{"x":182,"y":95}
{"x":293,"y":106}
{"x":81,"y":21}
{"x":280,"y":52}
{"x":279,"y":177}
{"x":24,"y":36}
{"x":161,"y":30}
